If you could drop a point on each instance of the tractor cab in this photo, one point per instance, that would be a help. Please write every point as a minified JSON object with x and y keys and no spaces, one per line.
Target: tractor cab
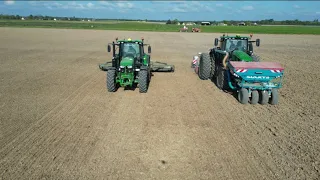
{"x":129,"y":53}
{"x":240,"y":48}
{"x":130,"y":50}
{"x":236,"y":44}
{"x":231,"y":43}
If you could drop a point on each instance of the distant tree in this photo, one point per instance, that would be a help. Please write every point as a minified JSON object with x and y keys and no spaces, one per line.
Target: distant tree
{"x":225,"y":22}
{"x":169,"y":22}
{"x":248,"y":23}
{"x":271,"y":21}
{"x":175,"y":21}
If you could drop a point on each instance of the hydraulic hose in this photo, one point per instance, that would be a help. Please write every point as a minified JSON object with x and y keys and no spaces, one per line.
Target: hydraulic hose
{"x":229,"y":81}
{"x":224,"y":63}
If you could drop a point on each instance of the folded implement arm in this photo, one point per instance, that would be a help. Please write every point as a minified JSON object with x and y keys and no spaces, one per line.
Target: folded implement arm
{"x":161,"y":67}
{"x":106,"y":66}
{"x":155,"y":66}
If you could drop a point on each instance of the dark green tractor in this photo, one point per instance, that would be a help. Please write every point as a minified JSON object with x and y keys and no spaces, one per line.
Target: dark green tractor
{"x":130,"y":65}
{"x":212,"y":65}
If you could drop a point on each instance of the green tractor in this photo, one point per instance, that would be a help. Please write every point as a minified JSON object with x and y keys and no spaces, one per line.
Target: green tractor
{"x":130,"y":65}
{"x":212,"y":65}
{"x":233,"y":66}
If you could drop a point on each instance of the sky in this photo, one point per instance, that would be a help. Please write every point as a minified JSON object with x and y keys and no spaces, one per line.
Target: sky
{"x":164,"y":10}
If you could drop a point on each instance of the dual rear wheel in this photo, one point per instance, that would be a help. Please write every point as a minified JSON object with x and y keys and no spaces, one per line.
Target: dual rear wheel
{"x":261,"y":97}
{"x":204,"y":66}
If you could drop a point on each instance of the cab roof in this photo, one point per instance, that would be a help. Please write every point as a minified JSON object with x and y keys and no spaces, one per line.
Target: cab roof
{"x":129,"y":40}
{"x":234,"y":37}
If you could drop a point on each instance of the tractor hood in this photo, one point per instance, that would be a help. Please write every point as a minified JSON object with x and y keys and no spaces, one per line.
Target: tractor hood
{"x":126,"y":61}
{"x":242,"y":56}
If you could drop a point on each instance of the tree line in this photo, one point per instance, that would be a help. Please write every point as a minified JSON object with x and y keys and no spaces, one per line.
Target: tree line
{"x":315,"y":22}
{"x":40,"y":17}
{"x":174,"y":21}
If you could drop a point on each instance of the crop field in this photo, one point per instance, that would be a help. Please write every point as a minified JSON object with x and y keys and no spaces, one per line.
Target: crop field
{"x":142,"y":26}
{"x":57,"y":120}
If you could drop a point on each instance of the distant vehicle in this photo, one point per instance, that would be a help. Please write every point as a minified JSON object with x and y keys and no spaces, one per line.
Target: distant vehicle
{"x":184,"y":29}
{"x":196,"y":30}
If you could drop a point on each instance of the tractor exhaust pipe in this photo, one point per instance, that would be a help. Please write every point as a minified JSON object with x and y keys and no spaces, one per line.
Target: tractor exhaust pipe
{"x":224,"y":63}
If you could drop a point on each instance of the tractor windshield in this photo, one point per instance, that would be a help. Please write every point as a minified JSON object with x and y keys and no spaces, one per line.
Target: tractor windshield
{"x":236,"y":44}
{"x":130,"y":50}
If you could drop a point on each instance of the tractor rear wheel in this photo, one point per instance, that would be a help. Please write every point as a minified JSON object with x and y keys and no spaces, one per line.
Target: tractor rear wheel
{"x":254,"y":97}
{"x":213,"y":72}
{"x":143,"y":81}
{"x":255,"y":58}
{"x":111,"y":80}
{"x":243,"y":96}
{"x":221,"y":80}
{"x":204,"y":66}
{"x":264,"y":97}
{"x":274,"y":97}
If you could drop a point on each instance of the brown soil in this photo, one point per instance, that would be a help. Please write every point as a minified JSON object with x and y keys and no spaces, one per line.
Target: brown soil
{"x":57,"y":120}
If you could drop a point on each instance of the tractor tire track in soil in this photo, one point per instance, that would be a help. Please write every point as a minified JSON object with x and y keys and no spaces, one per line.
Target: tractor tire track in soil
{"x":57,"y":120}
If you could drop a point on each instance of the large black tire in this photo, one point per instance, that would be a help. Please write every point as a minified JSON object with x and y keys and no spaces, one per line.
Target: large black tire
{"x":222,"y":81}
{"x":264,"y":97}
{"x":204,"y":66}
{"x":254,"y":97}
{"x":255,"y":58}
{"x":213,"y":72}
{"x":111,"y":80}
{"x":143,"y":81}
{"x":243,"y":96}
{"x":274,"y":97}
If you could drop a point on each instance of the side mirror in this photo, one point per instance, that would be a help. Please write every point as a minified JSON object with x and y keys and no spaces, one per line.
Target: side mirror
{"x":149,"y":49}
{"x":109,"y":48}
{"x":258,"y":42}
{"x":216,"y":41}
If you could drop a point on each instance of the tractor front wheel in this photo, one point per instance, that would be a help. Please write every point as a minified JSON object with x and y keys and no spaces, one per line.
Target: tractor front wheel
{"x":204,"y":66}
{"x":143,"y":81}
{"x":111,"y":80}
{"x":243,"y":96}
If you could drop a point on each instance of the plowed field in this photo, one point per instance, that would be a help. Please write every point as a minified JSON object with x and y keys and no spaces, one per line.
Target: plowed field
{"x":57,"y":120}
